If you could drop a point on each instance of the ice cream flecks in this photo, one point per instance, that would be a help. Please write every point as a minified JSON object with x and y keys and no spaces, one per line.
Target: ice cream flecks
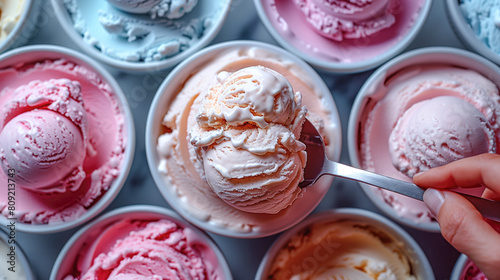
{"x":62,"y":135}
{"x":143,"y":249}
{"x":248,"y":127}
{"x":10,"y":12}
{"x":426,"y":116}
{"x":341,"y":250}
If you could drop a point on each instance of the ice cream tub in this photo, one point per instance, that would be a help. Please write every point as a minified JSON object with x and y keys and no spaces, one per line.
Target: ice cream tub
{"x":136,"y":36}
{"x":344,"y":36}
{"x":15,"y":265}
{"x":345,"y":243}
{"x":465,"y":269}
{"x":477,"y":25}
{"x":222,"y":138}
{"x":423,"y":109}
{"x":18,"y":21}
{"x":140,"y":241}
{"x":66,"y":138}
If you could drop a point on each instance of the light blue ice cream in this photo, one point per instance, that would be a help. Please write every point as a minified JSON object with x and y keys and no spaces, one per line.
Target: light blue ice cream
{"x":142,"y":30}
{"x":484,"y":19}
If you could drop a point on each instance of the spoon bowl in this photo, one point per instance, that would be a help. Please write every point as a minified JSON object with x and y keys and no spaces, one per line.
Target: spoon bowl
{"x":318,"y":165}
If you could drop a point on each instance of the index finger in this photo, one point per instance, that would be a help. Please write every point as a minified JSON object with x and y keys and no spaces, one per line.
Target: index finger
{"x":465,"y":173}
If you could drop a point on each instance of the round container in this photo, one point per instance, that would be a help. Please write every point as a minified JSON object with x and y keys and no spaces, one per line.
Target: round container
{"x":35,"y":53}
{"x":288,"y":25}
{"x":21,"y":264}
{"x":271,"y":224}
{"x":91,"y":10}
{"x":69,"y":253}
{"x":369,"y":93}
{"x":464,"y":31}
{"x":420,"y":265}
{"x":25,"y":26}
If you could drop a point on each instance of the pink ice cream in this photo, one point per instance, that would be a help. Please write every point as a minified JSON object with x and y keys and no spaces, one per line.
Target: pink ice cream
{"x":145,"y":249}
{"x":437,"y":131}
{"x":471,"y":272}
{"x":62,"y":140}
{"x":248,"y":126}
{"x":347,"y":19}
{"x":424,"y":117}
{"x":229,"y":151}
{"x":343,"y":31}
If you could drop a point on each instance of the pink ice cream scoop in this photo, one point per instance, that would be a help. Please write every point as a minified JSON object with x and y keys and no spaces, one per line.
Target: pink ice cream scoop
{"x":62,"y":140}
{"x":44,"y":139}
{"x":145,"y":249}
{"x":347,"y":19}
{"x":248,"y":127}
{"x":437,"y":131}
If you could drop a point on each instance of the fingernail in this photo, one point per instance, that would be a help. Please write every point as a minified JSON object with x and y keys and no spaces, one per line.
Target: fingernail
{"x":434,"y":199}
{"x":417,"y":175}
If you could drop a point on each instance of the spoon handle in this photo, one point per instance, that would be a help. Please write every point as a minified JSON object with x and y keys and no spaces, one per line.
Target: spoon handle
{"x":488,"y":208}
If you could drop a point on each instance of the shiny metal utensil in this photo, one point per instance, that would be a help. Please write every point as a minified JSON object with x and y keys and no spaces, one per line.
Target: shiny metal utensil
{"x":318,"y":165}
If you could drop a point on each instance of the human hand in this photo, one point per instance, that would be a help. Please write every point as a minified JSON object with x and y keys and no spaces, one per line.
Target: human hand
{"x":461,"y":224}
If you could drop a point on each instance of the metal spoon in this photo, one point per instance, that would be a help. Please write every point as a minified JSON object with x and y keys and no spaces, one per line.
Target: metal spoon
{"x":318,"y":165}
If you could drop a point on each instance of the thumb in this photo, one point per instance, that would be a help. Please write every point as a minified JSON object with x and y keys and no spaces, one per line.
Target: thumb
{"x":465,"y":229}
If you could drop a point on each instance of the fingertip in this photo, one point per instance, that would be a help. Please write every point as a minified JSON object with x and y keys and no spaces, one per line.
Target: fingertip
{"x":464,"y":227}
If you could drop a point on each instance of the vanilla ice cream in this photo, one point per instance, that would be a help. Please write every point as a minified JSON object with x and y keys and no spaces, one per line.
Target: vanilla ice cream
{"x":248,"y":127}
{"x":341,"y":250}
{"x":426,"y":116}
{"x":10,"y":13}
{"x":229,"y":149}
{"x":62,"y":140}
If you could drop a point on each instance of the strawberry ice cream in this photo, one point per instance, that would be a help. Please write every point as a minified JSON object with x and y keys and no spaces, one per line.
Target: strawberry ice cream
{"x":347,"y":19}
{"x":144,"y":249}
{"x":62,"y":133}
{"x":426,"y":116}
{"x":344,"y":35}
{"x":248,"y":126}
{"x":471,"y":272}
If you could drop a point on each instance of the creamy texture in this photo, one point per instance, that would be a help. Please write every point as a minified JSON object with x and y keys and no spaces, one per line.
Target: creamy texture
{"x":143,"y":249}
{"x":347,"y":19}
{"x":471,"y":272}
{"x":483,"y":17}
{"x":437,"y":131}
{"x":183,"y":163}
{"x":62,"y":138}
{"x":121,"y":29}
{"x":10,"y":12}
{"x":343,"y":31}
{"x":248,"y":127}
{"x":436,"y":114}
{"x":341,"y":250}
{"x":156,"y":8}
